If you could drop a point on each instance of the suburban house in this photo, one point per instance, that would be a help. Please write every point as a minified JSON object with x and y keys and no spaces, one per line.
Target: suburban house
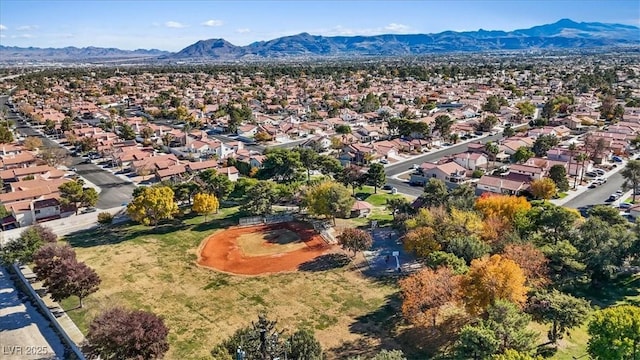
{"x":499,"y":185}
{"x":471,"y":161}
{"x":532,"y":171}
{"x":449,"y":172}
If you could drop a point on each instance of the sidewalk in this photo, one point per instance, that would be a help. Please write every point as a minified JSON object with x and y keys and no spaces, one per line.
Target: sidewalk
{"x":61,"y":316}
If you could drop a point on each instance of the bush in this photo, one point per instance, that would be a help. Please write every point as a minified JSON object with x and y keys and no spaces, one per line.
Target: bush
{"x":477,"y":174}
{"x":105,"y":218}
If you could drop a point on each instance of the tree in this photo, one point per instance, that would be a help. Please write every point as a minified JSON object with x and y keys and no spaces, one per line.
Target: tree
{"x":49,"y":256}
{"x":280,"y":164}
{"x":215,"y":183}
{"x":126,"y":132}
{"x":66,"y":124}
{"x":88,"y":143}
{"x":543,"y":144}
{"x":355,"y":240}
{"x":443,"y":124}
{"x":310,"y":160}
{"x":506,"y":207}
{"x":581,"y":158}
{"x":522,"y":154}
{"x":352,"y":176}
{"x":421,"y":241}
{"x":376,"y":176}
{"x":543,"y":188}
{"x":343,"y":129}
{"x":490,"y":279}
{"x":435,"y":193}
{"x":72,"y":278}
{"x":21,"y":250}
{"x":468,"y":247}
{"x":262,"y":136}
{"x":54,"y":156}
{"x":205,"y":204}
{"x":32,"y":143}
{"x":71,"y":193}
{"x":564,"y":312}
{"x":608,"y":214}
{"x":615,"y":333}
{"x":572,"y":150}
{"x":259,"y":199}
{"x":89,"y":197}
{"x":128,"y":334}
{"x":328,"y":199}
{"x":526,"y":108}
{"x":532,"y":262}
{"x":509,"y":325}
{"x":476,"y":342}
{"x":424,"y":293}
{"x":303,"y":345}
{"x":398,"y":205}
{"x":631,"y":175}
{"x":152,"y":205}
{"x":488,"y":123}
{"x":438,"y":259}
{"x":511,"y":354}
{"x":6,"y":136}
{"x":558,"y":173}
{"x":492,"y":149}
{"x":492,"y":105}
{"x":508,"y":131}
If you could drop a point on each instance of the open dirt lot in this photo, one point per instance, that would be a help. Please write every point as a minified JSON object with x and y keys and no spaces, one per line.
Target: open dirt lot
{"x":263,"y":249}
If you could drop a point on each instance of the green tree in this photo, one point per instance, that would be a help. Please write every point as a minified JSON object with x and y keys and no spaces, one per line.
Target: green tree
{"x":71,"y":193}
{"x":509,"y":324}
{"x":22,"y":249}
{"x":328,"y":199}
{"x":564,"y":312}
{"x":522,"y":154}
{"x":631,"y":175}
{"x":303,"y":345}
{"x":515,"y":355}
{"x":508,"y":131}
{"x":127,"y":132}
{"x":476,"y":342}
{"x":259,"y":199}
{"x":558,"y":173}
{"x":526,"y":108}
{"x":6,"y":136}
{"x":89,"y":197}
{"x":343,"y":129}
{"x":443,"y":124}
{"x":488,"y":123}
{"x":310,"y":160}
{"x":437,"y":259}
{"x":435,"y":193}
{"x":615,"y":333}
{"x":281,"y":165}
{"x":398,"y":205}
{"x":216,"y":183}
{"x":152,"y":205}
{"x":492,"y":105}
{"x":608,"y":214}
{"x":492,"y":149}
{"x":376,"y":176}
{"x":544,"y":143}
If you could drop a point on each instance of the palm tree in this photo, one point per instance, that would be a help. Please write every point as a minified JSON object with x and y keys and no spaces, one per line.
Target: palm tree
{"x":631,"y":175}
{"x":572,"y":150}
{"x":582,"y":157}
{"x":492,"y":150}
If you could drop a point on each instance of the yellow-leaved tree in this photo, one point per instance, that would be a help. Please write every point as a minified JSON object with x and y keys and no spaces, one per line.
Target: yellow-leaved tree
{"x":205,"y":204}
{"x":490,"y":279}
{"x":543,"y":188}
{"x":152,"y":204}
{"x":506,"y":207}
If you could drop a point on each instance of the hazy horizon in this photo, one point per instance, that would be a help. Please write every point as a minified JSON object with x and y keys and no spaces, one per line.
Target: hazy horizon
{"x":174,"y":25}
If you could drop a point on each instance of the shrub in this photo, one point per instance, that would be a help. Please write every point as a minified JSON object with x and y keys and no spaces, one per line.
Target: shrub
{"x":105,"y":218}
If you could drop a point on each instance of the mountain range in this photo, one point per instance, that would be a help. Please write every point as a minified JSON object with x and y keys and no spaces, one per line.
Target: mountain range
{"x":563,"y":34}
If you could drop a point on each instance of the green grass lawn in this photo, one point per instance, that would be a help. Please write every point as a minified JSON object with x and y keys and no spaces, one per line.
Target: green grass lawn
{"x":367,"y":194}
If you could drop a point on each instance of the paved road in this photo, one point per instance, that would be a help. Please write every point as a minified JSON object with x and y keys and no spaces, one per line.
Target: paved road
{"x":599,"y":194}
{"x":395,"y":169}
{"x":114,"y":191}
{"x":24,"y":332}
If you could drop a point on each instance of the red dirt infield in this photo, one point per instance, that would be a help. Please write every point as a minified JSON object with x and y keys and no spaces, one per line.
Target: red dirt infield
{"x":222,"y":252}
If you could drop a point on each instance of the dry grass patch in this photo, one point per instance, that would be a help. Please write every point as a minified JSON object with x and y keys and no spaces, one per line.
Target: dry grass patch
{"x":157,"y":272}
{"x":269,"y":242}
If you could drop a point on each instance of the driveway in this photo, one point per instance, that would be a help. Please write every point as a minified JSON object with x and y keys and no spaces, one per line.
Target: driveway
{"x":24,"y":332}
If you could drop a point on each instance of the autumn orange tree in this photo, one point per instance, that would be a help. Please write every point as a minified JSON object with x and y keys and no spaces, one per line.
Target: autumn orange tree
{"x":424,"y":293}
{"x":532,"y":262}
{"x":490,"y":279}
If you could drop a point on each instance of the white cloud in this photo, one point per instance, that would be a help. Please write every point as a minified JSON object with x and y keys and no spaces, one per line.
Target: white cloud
{"x":174,"y":25}
{"x":2,"y":27}
{"x":22,"y":36}
{"x":396,"y":27}
{"x":213,"y":23}
{"x":27,"y":27}
{"x":243,"y":30}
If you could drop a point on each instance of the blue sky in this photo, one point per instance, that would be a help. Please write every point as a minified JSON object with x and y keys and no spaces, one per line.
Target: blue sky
{"x":173,"y":25}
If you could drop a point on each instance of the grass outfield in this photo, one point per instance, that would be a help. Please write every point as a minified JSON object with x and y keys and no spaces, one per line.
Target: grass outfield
{"x":155,"y":270}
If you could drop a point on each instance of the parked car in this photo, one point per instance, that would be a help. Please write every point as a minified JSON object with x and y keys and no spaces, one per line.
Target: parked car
{"x":616,"y":159}
{"x":415,"y":167}
{"x":613,"y":197}
{"x":89,"y":210}
{"x":591,"y":174}
{"x":628,"y":217}
{"x":384,"y":161}
{"x":387,"y":187}
{"x":74,"y":169}
{"x":625,"y":205}
{"x":599,"y":172}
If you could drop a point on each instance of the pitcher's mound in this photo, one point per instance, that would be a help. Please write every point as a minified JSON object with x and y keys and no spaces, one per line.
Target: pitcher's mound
{"x":262,"y":249}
